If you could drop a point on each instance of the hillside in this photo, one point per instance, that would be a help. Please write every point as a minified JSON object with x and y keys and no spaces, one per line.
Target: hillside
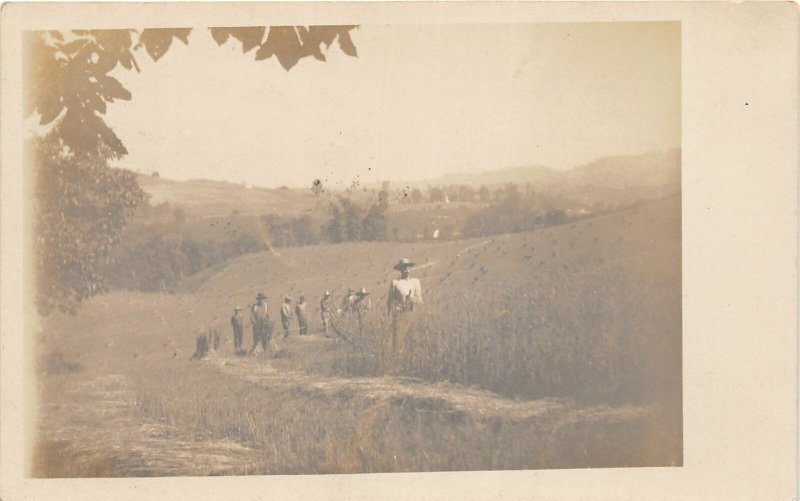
{"x":204,"y":198}
{"x":557,"y":348}
{"x":654,"y":171}
{"x":610,"y":181}
{"x":641,"y":242}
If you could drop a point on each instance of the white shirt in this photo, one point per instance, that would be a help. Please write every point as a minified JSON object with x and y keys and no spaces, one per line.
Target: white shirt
{"x":404,"y":293}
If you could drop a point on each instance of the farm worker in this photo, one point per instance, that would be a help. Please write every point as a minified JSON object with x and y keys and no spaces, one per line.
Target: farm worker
{"x":361,"y":307}
{"x":349,"y":301}
{"x":405,"y":294}
{"x":361,"y":304}
{"x":259,"y":317}
{"x":236,"y":322}
{"x":286,"y":315}
{"x":300,"y":312}
{"x":326,"y":311}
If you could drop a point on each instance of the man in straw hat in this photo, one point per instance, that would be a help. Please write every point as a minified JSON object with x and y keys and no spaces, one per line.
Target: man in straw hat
{"x":405,"y":294}
{"x":349,"y":302}
{"x":236,"y":322}
{"x":286,"y":315}
{"x":361,"y":307}
{"x":326,"y":311}
{"x":362,"y":303}
{"x":259,"y":317}
{"x":300,"y":313}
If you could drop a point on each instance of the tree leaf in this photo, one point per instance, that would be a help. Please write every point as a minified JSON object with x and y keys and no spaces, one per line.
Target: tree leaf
{"x":220,"y":35}
{"x":264,"y":52}
{"x":73,"y":46}
{"x":311,"y":44}
{"x":111,"y":89}
{"x":325,"y":34}
{"x":346,"y":43}
{"x":126,"y":60}
{"x":157,"y":41}
{"x":50,"y":108}
{"x":250,"y":37}
{"x":285,"y":44}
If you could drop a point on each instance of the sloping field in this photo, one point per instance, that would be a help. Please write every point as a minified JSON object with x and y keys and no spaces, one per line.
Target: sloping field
{"x":216,"y":198}
{"x":557,"y":348}
{"x":645,"y":241}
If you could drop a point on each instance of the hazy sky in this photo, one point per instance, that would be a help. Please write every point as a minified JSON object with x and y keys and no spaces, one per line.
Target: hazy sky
{"x":417,"y":102}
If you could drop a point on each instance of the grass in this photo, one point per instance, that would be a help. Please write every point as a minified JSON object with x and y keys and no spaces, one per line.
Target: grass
{"x":588,"y":313}
{"x":601,"y":336}
{"x":306,"y":432}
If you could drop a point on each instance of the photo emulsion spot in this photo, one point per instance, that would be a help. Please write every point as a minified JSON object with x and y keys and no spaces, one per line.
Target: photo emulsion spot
{"x":354,"y":249}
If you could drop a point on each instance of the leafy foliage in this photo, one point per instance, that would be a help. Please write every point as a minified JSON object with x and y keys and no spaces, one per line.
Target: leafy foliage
{"x":82,"y":204}
{"x":288,"y":44}
{"x":292,"y":231}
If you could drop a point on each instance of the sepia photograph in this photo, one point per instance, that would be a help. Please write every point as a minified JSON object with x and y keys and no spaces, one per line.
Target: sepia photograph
{"x":399,"y":250}
{"x":322,"y":249}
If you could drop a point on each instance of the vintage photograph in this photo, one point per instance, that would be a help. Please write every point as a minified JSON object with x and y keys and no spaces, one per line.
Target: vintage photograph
{"x":371,"y":248}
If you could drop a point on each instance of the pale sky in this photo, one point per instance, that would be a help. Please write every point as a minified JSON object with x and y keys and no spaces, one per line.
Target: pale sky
{"x":417,"y":102}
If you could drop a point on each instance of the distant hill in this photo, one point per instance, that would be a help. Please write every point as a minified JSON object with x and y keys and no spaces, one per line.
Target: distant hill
{"x":656,"y":169}
{"x":608,"y":181}
{"x":623,"y":171}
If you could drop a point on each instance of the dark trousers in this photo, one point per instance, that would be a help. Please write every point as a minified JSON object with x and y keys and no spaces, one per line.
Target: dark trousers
{"x":237,"y":338}
{"x":302,"y":323}
{"x":261,"y":336}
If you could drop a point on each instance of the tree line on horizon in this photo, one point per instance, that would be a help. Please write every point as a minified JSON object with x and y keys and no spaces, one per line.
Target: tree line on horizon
{"x":163,"y":245}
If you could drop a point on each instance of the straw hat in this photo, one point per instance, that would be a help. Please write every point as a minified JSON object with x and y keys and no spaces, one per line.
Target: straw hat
{"x":363,"y":292}
{"x":261,"y":295}
{"x":404,"y":263}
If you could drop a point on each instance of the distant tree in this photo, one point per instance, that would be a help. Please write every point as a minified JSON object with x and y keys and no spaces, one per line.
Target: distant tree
{"x":465,"y":193}
{"x":248,"y":243}
{"x":155,"y":174}
{"x":452,"y":193}
{"x":436,"y":195}
{"x":375,"y":224}
{"x":352,"y":219}
{"x":194,"y":256}
{"x":416,"y":196}
{"x":484,"y":194}
{"x":334,"y":230}
{"x":304,"y":231}
{"x":180,"y":215}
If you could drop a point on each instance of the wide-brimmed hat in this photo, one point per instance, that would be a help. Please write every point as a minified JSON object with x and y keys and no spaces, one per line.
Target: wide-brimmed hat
{"x":363,"y":292}
{"x":404,"y":263}
{"x":287,"y":298}
{"x":327,"y":293}
{"x":237,"y":308}
{"x":261,"y":295}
